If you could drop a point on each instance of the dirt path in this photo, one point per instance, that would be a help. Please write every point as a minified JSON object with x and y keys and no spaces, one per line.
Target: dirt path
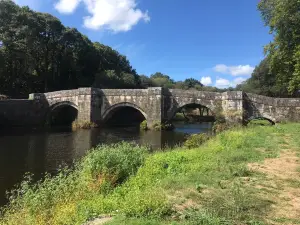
{"x":282,"y":186}
{"x":99,"y":221}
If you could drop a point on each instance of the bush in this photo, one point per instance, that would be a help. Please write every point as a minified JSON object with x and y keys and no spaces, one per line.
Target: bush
{"x":168,"y":126}
{"x":220,"y":127}
{"x":144,"y":125}
{"x":114,"y":163}
{"x":157,"y":126}
{"x":196,"y":140}
{"x":83,"y":125}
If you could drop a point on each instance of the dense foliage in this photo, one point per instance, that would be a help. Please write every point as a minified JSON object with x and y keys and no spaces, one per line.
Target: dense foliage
{"x":162,"y":80}
{"x":262,"y":81}
{"x":279,"y":73}
{"x":39,"y":54}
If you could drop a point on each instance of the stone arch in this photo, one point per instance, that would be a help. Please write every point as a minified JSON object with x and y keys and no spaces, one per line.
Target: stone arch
{"x":55,"y":107}
{"x":108,"y":112}
{"x":260,"y":117}
{"x":175,"y":109}
{"x":63,"y":103}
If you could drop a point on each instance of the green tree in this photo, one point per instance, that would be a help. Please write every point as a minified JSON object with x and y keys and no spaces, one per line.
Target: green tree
{"x":193,"y":83}
{"x":262,"y":81}
{"x":283,"y":18}
{"x":161,"y":80}
{"x":145,"y":81}
{"x":39,"y":54}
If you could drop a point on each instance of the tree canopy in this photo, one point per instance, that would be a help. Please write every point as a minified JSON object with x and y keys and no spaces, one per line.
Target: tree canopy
{"x":39,"y":54}
{"x":279,"y":73}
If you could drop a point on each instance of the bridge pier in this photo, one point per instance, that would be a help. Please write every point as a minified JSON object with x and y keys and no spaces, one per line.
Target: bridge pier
{"x":105,"y":102}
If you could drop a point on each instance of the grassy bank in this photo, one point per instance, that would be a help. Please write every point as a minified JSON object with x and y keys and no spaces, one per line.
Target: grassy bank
{"x":216,"y":183}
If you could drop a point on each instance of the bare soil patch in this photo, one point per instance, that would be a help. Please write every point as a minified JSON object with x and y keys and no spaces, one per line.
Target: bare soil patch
{"x":100,"y":221}
{"x":279,"y":174}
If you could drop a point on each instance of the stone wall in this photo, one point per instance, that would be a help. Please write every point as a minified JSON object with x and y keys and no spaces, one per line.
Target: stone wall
{"x":23,"y":113}
{"x":274,"y":109}
{"x":79,"y":98}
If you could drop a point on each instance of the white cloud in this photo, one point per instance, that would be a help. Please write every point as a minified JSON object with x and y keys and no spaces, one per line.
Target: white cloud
{"x":234,"y":70}
{"x":238,"y":80}
{"x":222,"y":83}
{"x":66,"y":6}
{"x":221,"y":68}
{"x":206,"y":81}
{"x":115,"y":15}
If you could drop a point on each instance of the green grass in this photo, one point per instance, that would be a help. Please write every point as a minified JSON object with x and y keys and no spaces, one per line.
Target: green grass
{"x":210,"y":184}
{"x":261,"y":122}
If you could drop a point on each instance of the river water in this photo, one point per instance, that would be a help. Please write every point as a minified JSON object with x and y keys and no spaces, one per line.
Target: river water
{"x":38,"y":151}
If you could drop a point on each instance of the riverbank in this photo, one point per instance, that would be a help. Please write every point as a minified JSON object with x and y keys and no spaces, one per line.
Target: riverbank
{"x":231,"y":179}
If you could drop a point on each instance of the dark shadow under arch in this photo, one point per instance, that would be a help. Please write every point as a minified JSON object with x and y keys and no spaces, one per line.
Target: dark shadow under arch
{"x":62,"y":114}
{"x":258,"y":118}
{"x":123,"y":114}
{"x":205,"y":113}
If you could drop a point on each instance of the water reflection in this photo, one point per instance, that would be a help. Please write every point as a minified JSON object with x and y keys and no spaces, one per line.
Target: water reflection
{"x":43,"y":151}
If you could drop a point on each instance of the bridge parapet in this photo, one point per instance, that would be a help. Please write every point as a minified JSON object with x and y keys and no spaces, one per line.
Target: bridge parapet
{"x":275,"y":109}
{"x":159,"y":104}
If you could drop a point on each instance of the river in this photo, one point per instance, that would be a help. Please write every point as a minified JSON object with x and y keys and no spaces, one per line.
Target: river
{"x":38,"y":151}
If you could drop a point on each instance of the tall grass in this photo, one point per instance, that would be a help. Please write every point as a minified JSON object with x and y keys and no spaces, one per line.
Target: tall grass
{"x":57,"y":199}
{"x":204,"y":185}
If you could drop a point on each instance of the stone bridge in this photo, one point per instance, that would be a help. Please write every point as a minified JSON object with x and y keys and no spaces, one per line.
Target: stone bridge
{"x":155,"y":104}
{"x":160,"y":105}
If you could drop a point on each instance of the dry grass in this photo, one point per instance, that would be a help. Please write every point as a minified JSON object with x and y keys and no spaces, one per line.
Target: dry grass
{"x":282,"y":186}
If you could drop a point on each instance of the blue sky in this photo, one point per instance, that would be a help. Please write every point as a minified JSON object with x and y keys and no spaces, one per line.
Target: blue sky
{"x":216,"y":41}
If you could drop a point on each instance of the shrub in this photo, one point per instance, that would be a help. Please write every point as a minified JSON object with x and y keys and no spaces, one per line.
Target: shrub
{"x":196,"y":140}
{"x":168,"y":126}
{"x":83,"y":125}
{"x":114,"y":163}
{"x":157,"y":126}
{"x":144,"y":125}
{"x":220,"y":127}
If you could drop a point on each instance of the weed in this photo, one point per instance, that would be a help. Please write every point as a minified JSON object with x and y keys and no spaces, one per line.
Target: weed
{"x":196,"y":140}
{"x":144,"y":125}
